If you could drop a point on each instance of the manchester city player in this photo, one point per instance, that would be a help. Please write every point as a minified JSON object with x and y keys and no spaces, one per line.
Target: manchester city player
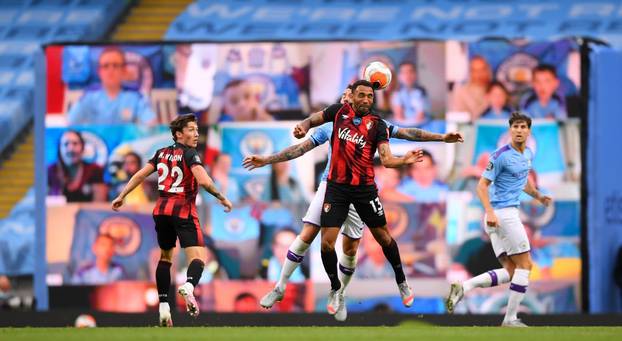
{"x":499,"y":189}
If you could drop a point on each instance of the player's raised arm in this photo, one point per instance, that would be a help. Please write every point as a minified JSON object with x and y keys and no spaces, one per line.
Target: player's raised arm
{"x":135,"y":180}
{"x":416,"y":134}
{"x":289,"y":153}
{"x":390,"y":161}
{"x":533,"y":191}
{"x":206,"y":182}
{"x":314,"y":120}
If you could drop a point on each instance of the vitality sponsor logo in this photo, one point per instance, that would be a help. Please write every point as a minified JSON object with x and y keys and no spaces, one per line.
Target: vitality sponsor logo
{"x":346,"y":134}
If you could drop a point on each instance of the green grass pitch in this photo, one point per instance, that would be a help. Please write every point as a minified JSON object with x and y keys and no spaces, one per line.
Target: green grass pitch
{"x":408,"y":332}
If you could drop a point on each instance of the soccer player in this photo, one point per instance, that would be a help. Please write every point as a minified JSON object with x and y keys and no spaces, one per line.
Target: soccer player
{"x":180,"y":170}
{"x":352,"y":227}
{"x":357,"y":133}
{"x":499,"y":189}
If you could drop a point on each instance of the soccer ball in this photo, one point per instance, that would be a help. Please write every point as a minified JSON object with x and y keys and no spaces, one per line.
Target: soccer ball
{"x":85,"y":321}
{"x":378,"y":73}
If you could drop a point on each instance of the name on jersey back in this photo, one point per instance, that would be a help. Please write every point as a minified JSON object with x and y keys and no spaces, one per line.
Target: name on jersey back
{"x":170,"y":157}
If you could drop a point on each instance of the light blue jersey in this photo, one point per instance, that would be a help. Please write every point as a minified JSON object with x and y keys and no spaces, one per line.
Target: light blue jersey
{"x":95,"y":107}
{"x":323,"y":134}
{"x":508,"y":170}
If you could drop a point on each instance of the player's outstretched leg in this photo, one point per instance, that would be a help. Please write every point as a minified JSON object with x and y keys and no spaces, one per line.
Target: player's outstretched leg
{"x":392,"y":254}
{"x":295,"y":255}
{"x":195,"y":270}
{"x":488,"y":279}
{"x":329,"y":260}
{"x":163,"y":282}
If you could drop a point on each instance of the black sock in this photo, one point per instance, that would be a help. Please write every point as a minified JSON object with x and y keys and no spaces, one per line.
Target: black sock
{"x":392,"y":253}
{"x":329,"y":259}
{"x":163,"y":280}
{"x":195,"y":270}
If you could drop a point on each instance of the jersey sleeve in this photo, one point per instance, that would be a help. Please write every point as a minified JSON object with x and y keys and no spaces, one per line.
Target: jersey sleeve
{"x":330,"y":112}
{"x":154,"y":160}
{"x":383,"y":132}
{"x":392,"y":128}
{"x":493,"y":168}
{"x":191,"y":156}
{"x":321,"y":134}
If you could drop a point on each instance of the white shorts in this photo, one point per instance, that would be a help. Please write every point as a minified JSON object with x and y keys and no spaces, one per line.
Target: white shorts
{"x":352,"y":226}
{"x":510,"y":236}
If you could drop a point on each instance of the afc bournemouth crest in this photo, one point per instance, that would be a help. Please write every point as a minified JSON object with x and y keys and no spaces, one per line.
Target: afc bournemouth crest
{"x":326,"y":207}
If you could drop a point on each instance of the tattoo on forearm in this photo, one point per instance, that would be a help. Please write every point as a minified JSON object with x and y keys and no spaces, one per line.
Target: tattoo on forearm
{"x":290,"y":152}
{"x":382,"y":150}
{"x":416,"y":134}
{"x":214,"y":191}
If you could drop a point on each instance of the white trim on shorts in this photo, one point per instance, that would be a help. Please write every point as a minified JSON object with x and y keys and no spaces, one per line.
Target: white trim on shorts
{"x":352,"y":226}
{"x":510,"y":236}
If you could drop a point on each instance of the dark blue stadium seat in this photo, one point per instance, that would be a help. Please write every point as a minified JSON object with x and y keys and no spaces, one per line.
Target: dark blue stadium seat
{"x":24,"y":26}
{"x":40,"y":33}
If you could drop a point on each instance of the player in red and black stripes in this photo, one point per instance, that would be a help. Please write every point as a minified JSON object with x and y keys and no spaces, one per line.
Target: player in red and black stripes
{"x":180,"y":173}
{"x":357,"y":133}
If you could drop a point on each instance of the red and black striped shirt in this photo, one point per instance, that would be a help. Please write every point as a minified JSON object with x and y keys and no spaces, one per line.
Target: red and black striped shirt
{"x":177,"y":186}
{"x":354,"y":142}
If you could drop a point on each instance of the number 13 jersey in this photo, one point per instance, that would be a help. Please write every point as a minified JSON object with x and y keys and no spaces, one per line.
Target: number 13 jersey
{"x":176,"y":184}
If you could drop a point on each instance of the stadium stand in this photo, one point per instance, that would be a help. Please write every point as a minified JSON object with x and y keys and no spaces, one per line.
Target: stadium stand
{"x":149,"y":20}
{"x":24,"y":27}
{"x":17,"y":238}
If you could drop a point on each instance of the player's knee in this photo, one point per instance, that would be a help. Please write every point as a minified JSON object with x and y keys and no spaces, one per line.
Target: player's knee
{"x":510,"y":267}
{"x":382,"y":236}
{"x":308,"y":233}
{"x":327,"y":247}
{"x":523,"y":263}
{"x":349,"y":249}
{"x":166,"y":255}
{"x":527,"y":264}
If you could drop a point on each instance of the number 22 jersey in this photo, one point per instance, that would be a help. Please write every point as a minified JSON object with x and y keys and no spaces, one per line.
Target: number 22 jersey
{"x":176,"y":184}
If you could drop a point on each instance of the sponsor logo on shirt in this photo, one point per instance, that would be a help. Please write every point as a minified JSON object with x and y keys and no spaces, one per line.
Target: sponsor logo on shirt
{"x":345,"y":134}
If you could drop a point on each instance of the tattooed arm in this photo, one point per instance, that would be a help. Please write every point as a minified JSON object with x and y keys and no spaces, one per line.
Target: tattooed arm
{"x":289,"y":153}
{"x":204,"y":180}
{"x":314,"y":120}
{"x":390,"y":161}
{"x":416,"y":134}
